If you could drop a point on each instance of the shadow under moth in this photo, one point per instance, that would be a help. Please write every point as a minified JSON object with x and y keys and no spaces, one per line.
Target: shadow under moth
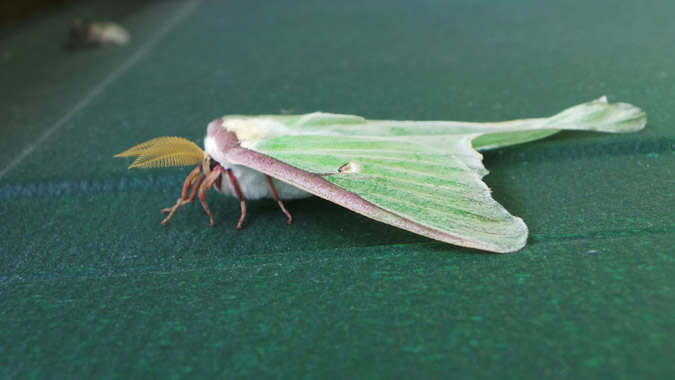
{"x":421,"y":176}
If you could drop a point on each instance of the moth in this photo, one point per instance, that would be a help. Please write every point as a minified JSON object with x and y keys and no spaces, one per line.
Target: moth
{"x":86,"y":34}
{"x":421,"y":176}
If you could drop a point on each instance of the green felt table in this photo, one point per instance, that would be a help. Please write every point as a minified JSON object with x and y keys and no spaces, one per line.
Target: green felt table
{"x":92,"y":286}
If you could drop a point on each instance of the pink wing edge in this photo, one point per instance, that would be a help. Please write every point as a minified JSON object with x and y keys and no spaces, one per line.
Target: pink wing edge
{"x":315,"y":184}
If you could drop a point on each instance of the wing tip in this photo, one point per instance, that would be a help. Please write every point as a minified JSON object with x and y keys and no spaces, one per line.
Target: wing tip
{"x":507,"y":243}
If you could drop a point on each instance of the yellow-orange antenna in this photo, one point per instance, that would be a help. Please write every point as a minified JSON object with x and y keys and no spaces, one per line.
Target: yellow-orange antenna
{"x":164,"y":152}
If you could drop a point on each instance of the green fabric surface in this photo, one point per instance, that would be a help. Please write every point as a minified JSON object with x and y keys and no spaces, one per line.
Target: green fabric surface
{"x":92,"y":286}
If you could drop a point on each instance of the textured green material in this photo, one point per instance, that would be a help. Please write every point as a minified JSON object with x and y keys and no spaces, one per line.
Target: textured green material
{"x":92,"y":286}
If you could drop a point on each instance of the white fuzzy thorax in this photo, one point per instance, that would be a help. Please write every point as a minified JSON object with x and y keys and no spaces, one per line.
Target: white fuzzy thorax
{"x":253,"y":183}
{"x":251,"y":130}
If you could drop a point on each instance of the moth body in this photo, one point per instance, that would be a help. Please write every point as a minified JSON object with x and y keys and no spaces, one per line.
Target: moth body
{"x":253,"y":183}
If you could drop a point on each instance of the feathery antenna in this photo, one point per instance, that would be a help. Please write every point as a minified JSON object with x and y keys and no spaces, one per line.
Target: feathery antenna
{"x":164,"y":152}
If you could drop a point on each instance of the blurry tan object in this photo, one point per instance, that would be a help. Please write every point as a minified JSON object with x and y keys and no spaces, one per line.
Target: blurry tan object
{"x":84,"y":34}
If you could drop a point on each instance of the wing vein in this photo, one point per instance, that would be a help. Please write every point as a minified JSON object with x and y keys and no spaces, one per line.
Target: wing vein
{"x":358,"y":155}
{"x":455,"y":223}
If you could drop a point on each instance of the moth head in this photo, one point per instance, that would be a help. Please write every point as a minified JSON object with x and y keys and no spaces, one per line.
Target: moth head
{"x":163,"y":152}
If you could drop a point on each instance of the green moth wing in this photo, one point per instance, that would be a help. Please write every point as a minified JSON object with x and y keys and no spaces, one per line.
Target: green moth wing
{"x":423,"y":176}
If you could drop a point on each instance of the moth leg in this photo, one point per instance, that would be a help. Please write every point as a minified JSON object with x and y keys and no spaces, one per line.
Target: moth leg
{"x":194,"y":188}
{"x":243,"y":213}
{"x":208,"y":182}
{"x":276,"y":198}
{"x":239,"y":194}
{"x":192,"y":180}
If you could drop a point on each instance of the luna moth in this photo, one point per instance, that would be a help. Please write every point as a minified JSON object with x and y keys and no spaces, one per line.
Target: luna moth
{"x":421,"y":176}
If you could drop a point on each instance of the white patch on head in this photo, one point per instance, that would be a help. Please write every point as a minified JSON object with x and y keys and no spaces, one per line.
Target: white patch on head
{"x":251,"y":130}
{"x":211,"y":148}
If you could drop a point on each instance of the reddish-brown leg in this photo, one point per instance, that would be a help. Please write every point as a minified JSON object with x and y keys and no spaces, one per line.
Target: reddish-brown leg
{"x":208,"y":182}
{"x":243,"y":214}
{"x":240,"y":196}
{"x":192,"y":180}
{"x":276,"y":198}
{"x":195,"y":187}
